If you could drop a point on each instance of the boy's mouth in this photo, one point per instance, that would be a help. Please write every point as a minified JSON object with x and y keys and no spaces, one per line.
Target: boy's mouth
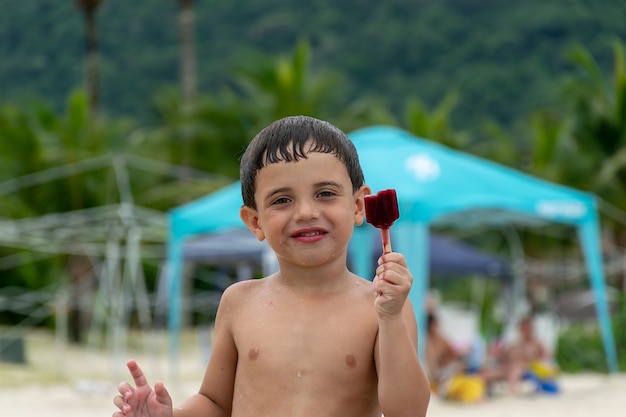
{"x":308,"y":233}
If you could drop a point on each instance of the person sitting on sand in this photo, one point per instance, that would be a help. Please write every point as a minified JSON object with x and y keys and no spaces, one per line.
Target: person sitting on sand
{"x":515,"y":360}
{"x":448,"y":369}
{"x":442,"y":360}
{"x":312,"y":339}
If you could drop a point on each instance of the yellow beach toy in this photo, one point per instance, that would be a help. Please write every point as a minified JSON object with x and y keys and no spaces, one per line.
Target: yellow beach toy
{"x":466,"y":388}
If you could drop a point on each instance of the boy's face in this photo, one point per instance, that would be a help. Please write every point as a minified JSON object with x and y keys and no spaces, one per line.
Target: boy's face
{"x":306,"y":209}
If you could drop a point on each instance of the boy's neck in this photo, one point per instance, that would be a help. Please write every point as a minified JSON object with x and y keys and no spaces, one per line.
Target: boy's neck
{"x":315,"y":280}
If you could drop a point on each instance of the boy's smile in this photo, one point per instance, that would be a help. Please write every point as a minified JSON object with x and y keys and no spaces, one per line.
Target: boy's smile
{"x":306,"y":209}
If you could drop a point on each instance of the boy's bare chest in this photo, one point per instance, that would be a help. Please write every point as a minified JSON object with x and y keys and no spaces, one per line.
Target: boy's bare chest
{"x":307,"y":338}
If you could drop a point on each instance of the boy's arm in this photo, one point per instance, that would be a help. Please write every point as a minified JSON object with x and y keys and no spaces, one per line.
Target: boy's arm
{"x":214,"y":399}
{"x":403,"y":388}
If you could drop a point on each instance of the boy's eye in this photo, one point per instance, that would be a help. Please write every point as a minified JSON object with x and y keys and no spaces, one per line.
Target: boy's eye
{"x":280,"y":200}
{"x":326,"y":193}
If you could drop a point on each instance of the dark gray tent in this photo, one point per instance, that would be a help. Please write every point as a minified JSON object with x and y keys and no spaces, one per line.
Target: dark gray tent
{"x":448,"y":258}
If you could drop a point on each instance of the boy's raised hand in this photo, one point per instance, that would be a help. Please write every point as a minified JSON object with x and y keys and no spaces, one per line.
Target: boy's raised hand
{"x":392,"y":284}
{"x":142,"y":400}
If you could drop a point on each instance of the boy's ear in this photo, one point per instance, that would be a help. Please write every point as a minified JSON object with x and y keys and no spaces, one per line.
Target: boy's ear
{"x":359,"y":204}
{"x":251,"y":219}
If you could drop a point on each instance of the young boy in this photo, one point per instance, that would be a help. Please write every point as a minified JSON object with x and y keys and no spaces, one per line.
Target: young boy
{"x":313,"y":339}
{"x":519,"y":357}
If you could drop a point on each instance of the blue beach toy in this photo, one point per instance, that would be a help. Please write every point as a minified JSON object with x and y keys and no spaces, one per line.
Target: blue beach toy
{"x":543,"y":375}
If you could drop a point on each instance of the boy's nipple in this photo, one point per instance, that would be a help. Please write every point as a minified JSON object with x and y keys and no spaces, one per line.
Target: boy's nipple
{"x":253,"y":353}
{"x":351,"y":361}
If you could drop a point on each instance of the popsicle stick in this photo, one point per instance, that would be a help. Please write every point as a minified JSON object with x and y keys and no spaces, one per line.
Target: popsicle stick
{"x":386,"y":238}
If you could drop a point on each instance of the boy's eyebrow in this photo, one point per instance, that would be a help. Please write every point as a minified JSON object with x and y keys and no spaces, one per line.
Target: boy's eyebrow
{"x":277,"y":191}
{"x":280,"y":190}
{"x":329,"y":183}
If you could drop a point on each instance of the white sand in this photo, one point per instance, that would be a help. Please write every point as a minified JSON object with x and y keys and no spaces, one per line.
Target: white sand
{"x":78,"y":383}
{"x":583,"y":395}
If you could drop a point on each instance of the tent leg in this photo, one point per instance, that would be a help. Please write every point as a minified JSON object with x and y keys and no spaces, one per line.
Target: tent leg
{"x":416,"y":235}
{"x":589,"y":240}
{"x":173,"y":275}
{"x":361,"y":252}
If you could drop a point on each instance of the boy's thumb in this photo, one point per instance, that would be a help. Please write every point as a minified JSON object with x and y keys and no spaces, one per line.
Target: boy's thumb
{"x":162,"y":396}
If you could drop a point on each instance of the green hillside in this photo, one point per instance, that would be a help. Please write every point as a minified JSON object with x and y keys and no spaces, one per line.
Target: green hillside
{"x":502,"y":58}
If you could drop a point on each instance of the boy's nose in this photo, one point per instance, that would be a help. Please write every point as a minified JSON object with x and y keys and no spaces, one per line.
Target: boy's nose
{"x":306,"y":210}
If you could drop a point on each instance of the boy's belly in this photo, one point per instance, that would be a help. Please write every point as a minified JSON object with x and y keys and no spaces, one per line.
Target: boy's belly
{"x":302,"y":391}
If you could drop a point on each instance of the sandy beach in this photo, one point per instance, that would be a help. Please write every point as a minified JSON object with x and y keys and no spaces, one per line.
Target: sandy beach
{"x":75,"y":382}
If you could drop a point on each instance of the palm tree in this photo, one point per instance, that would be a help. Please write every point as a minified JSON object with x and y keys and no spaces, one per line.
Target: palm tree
{"x":436,"y":124}
{"x":598,"y":128}
{"x":89,"y":8}
{"x":285,"y":85}
{"x":265,"y":89}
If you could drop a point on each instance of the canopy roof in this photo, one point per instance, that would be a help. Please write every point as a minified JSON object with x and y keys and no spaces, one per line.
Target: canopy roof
{"x":435,"y":185}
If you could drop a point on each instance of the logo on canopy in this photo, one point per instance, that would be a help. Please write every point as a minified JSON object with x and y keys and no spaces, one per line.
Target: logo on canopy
{"x":423,"y":167}
{"x":564,"y":209}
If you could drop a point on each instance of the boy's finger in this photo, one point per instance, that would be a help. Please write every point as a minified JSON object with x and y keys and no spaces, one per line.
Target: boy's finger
{"x":120,"y":402}
{"x":163,"y":397}
{"x":124,"y":387}
{"x":137,"y":374}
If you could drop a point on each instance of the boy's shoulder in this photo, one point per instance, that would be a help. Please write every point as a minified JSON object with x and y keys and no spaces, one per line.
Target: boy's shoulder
{"x":240,"y":287}
{"x":239,"y":294}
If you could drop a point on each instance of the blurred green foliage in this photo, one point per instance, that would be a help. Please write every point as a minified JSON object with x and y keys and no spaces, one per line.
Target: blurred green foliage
{"x":580,"y":345}
{"x":539,"y":86}
{"x":501,"y":58}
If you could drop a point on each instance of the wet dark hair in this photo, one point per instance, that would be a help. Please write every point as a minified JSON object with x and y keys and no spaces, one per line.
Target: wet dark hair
{"x":291,"y":139}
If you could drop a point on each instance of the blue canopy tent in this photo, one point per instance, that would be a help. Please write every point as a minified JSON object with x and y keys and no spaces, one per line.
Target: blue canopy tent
{"x":435,"y":185}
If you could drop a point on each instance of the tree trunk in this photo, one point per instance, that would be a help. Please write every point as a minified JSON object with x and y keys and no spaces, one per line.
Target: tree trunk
{"x":89,"y":8}
{"x":188,"y":54}
{"x":92,"y":73}
{"x":187,"y":72}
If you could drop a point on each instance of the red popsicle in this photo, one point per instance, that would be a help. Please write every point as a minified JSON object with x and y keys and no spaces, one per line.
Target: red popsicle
{"x":381,"y":210}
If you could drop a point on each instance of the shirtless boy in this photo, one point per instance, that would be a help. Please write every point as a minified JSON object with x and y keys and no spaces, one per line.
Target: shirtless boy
{"x":520,"y":355}
{"x":313,"y":339}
